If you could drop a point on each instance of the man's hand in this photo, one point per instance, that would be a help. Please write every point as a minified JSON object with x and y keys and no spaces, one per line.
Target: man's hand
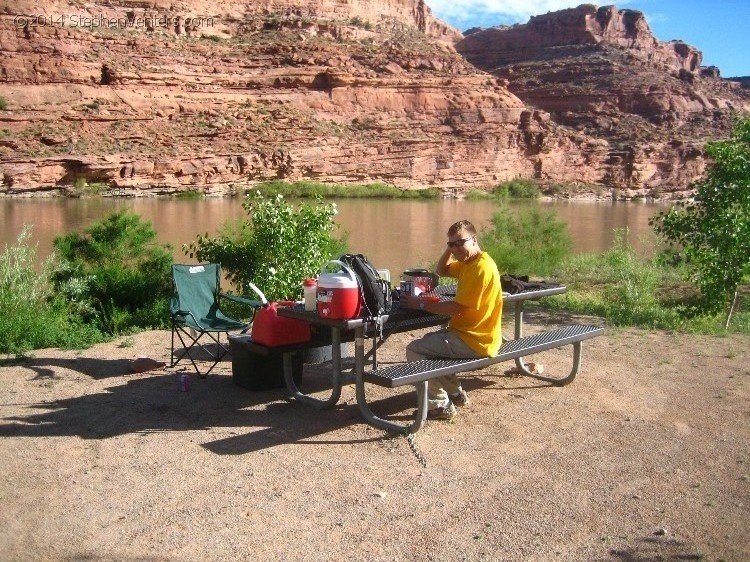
{"x":409,"y":301}
{"x":447,"y":308}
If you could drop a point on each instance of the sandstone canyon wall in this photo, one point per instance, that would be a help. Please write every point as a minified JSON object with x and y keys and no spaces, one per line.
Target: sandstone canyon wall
{"x":601,"y":72}
{"x":152,"y":97}
{"x":210,"y":96}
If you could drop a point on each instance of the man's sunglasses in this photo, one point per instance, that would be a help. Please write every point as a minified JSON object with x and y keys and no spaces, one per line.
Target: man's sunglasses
{"x":459,"y":243}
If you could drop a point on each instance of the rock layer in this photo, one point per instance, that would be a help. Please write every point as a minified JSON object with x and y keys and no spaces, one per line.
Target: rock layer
{"x":157,"y":97}
{"x":601,"y":72}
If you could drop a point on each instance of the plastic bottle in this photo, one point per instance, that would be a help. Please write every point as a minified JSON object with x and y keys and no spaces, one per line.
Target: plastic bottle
{"x":310,"y":287}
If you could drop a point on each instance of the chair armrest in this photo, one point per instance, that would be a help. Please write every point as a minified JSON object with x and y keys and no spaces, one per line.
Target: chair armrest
{"x":174,"y":309}
{"x":242,"y":300}
{"x":183,"y":315}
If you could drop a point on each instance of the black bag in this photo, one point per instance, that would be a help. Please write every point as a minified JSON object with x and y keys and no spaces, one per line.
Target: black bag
{"x":514,"y":284}
{"x":376,"y":293}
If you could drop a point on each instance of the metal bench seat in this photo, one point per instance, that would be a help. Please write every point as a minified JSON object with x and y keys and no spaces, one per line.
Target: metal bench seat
{"x":418,"y":371}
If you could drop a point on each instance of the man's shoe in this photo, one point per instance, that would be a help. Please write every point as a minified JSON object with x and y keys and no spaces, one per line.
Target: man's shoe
{"x":442,"y":413}
{"x":460,"y":399}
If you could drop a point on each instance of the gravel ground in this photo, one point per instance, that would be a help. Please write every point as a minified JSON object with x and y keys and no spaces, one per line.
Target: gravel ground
{"x":645,"y":456}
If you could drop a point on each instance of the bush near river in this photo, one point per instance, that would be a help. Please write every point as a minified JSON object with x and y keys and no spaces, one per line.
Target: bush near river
{"x":37,"y":311}
{"x":114,"y":279}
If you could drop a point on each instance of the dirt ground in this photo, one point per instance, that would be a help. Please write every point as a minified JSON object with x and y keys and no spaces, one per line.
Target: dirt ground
{"x":645,"y":456}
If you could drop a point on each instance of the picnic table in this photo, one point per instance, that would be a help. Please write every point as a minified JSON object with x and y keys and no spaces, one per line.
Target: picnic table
{"x":419,"y":372}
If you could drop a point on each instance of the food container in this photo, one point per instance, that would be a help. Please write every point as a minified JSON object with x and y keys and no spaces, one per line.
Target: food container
{"x":338,"y":293}
{"x":310,"y":290}
{"x":422,"y":280}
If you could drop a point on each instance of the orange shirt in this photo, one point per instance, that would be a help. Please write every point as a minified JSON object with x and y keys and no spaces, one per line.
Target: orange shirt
{"x":478,"y":288}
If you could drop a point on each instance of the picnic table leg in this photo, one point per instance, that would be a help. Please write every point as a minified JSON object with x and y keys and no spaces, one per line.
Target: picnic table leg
{"x":336,"y":376}
{"x":364,"y":407}
{"x":521,"y":366}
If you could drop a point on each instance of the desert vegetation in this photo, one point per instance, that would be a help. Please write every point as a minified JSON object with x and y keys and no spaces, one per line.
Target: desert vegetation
{"x":114,"y":278}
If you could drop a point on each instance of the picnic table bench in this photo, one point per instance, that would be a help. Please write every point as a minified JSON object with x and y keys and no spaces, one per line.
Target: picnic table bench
{"x":417,"y":373}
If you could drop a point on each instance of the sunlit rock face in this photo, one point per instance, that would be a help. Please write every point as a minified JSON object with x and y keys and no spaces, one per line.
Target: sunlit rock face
{"x":601,"y":72}
{"x":155,"y":97}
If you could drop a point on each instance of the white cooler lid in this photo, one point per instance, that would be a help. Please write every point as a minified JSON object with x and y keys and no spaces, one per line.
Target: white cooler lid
{"x":336,"y":281}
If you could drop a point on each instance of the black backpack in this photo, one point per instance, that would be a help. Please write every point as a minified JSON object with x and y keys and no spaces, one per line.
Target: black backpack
{"x":376,"y":292}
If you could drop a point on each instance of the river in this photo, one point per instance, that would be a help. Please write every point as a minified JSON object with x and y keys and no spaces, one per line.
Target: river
{"x":394,"y":234}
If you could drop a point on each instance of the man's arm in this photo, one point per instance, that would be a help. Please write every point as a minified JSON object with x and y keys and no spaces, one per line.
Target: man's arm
{"x":442,"y":264}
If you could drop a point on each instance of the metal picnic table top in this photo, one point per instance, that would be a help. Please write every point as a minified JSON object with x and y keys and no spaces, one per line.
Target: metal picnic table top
{"x":398,"y":320}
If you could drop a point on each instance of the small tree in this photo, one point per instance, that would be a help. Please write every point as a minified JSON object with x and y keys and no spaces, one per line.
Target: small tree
{"x":527,"y":242}
{"x":713,"y":231}
{"x":117,"y":274}
{"x":276,"y":248}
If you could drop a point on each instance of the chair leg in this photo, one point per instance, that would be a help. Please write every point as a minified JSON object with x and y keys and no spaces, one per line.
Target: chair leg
{"x":171,"y":356}
{"x":187,"y":348}
{"x":221,"y":350}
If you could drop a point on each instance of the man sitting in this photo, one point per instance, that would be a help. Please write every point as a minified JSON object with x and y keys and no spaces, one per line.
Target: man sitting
{"x":476,"y":314}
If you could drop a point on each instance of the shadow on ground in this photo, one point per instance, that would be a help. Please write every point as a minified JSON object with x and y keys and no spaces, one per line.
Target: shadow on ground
{"x":98,"y":368}
{"x":656,"y":549}
{"x":150,"y":403}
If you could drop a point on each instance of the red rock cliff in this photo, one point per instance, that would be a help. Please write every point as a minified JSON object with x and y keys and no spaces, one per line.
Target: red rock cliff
{"x":600,"y":71}
{"x":188,"y":95}
{"x":156,"y":96}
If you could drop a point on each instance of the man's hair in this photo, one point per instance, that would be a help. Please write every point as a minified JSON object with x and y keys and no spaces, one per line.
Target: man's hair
{"x":462,"y":225}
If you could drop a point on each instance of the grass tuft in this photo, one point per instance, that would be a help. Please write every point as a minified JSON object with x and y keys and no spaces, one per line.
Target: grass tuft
{"x":311,"y":189}
{"x":629,"y":290}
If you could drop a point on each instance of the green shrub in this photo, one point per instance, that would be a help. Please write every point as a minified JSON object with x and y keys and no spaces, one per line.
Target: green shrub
{"x":618,"y":285}
{"x":527,"y":242}
{"x":116,"y":275}
{"x":630,"y":290}
{"x":275,"y":248}
{"x":713,"y":230}
{"x":190,"y":195}
{"x":81,"y":188}
{"x":32,"y":316}
{"x":3,"y":103}
{"x":478,"y":195}
{"x":356,"y":21}
{"x":518,"y":189}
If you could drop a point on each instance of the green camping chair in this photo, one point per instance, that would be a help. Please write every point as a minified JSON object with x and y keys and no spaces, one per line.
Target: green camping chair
{"x":196,"y":313}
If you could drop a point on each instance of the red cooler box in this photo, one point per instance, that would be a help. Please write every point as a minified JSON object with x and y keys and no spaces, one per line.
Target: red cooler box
{"x":339,"y":296}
